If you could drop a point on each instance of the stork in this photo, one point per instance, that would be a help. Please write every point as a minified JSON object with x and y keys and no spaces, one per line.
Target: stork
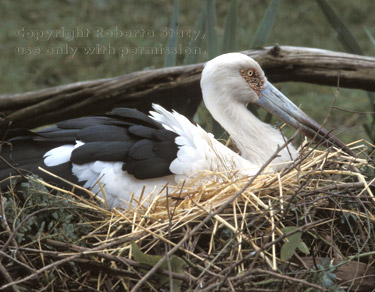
{"x":131,"y":153}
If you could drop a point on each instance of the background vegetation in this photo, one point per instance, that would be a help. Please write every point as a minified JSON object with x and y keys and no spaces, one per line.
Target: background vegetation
{"x":298,"y":23}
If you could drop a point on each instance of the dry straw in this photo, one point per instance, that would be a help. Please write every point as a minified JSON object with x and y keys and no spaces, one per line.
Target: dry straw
{"x":326,"y":196}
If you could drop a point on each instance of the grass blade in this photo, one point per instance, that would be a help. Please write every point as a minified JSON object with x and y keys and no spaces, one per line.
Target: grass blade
{"x":196,"y":39}
{"x":208,"y":19}
{"x":213,"y":51}
{"x":261,"y":37}
{"x":170,"y":59}
{"x":345,"y":36}
{"x":212,"y":42}
{"x":351,"y":45}
{"x":370,"y":36}
{"x":265,"y":27}
{"x":230,"y":30}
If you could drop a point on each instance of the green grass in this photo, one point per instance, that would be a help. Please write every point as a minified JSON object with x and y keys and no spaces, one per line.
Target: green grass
{"x":299,"y":23}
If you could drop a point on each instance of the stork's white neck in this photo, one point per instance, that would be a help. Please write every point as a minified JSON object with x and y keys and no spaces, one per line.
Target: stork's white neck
{"x":256,"y":140}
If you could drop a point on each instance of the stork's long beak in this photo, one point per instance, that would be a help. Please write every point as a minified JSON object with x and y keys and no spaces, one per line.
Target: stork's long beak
{"x":279,"y":105}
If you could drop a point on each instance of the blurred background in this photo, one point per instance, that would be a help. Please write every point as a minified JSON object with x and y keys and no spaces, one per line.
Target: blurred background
{"x":49,"y":43}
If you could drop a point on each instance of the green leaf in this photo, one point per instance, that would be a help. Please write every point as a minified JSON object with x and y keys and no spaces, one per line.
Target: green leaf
{"x":288,"y":229}
{"x":196,"y":39}
{"x":170,"y":59}
{"x":288,"y":249}
{"x":265,"y":27}
{"x":143,"y":258}
{"x":176,"y":264}
{"x":345,"y":36}
{"x":370,"y":36}
{"x":212,"y":42}
{"x":230,"y":30}
{"x":303,"y":248}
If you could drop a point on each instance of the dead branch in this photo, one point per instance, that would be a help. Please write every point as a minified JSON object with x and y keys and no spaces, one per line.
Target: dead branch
{"x":178,"y":87}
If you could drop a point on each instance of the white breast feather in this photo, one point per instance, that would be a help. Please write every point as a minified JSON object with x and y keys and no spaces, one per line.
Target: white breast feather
{"x":119,"y":187}
{"x":198,"y":150}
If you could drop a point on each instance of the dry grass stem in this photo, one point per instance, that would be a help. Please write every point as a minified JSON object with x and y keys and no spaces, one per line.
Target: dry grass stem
{"x":228,"y":234}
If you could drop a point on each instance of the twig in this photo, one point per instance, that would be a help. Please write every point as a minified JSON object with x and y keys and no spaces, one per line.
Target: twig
{"x":36,"y":273}
{"x":8,"y":278}
{"x":278,"y":275}
{"x":13,"y":167}
{"x":208,"y":217}
{"x":88,"y":251}
{"x":23,"y":222}
{"x":17,"y":261}
{"x":4,"y":222}
{"x":227,"y":271}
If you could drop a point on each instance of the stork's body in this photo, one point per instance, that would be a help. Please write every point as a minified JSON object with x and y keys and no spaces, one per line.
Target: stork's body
{"x":193,"y":151}
{"x":130,"y":153}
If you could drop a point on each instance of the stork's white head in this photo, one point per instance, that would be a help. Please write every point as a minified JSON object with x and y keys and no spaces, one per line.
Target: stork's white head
{"x":232,"y":80}
{"x":232,"y":77}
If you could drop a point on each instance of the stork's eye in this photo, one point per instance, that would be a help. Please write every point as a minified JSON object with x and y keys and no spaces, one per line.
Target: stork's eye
{"x":250,"y":73}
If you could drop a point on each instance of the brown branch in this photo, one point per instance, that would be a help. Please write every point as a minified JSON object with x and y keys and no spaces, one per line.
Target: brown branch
{"x":178,"y":87}
{"x":119,"y":259}
{"x":8,"y":278}
{"x":38,"y":272}
{"x":243,"y":278}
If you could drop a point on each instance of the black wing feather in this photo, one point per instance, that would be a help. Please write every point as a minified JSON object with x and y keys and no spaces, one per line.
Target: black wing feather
{"x":165,"y":135}
{"x":102,"y":151}
{"x":166,"y":150}
{"x":132,"y":115}
{"x":142,"y":131}
{"x":147,"y":168}
{"x":84,"y":122}
{"x":143,"y":149}
{"x":104,"y":133}
{"x":124,"y":135}
{"x":54,"y":134}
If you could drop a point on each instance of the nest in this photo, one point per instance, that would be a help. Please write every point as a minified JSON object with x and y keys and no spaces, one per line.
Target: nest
{"x":308,"y":228}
